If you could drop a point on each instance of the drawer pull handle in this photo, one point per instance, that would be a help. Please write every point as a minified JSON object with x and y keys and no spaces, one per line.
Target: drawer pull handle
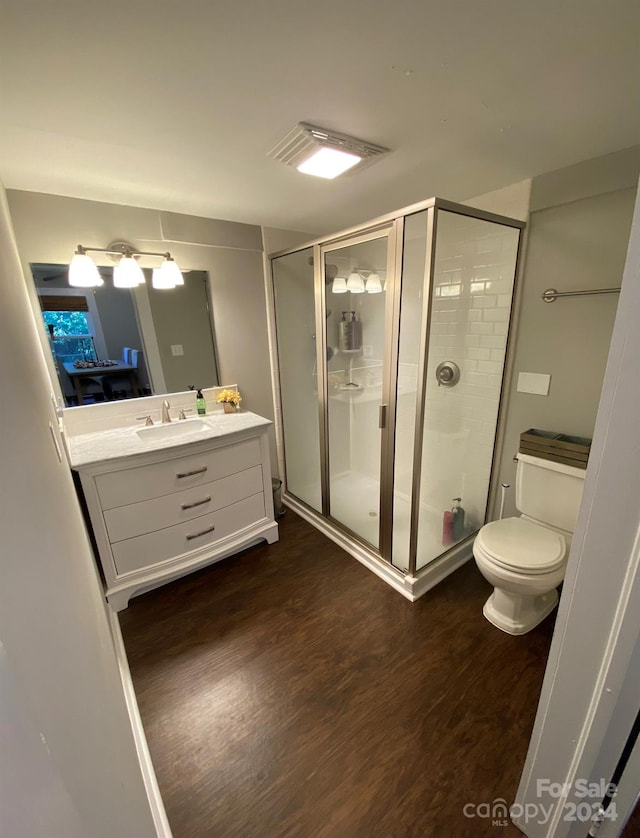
{"x":191,"y":473}
{"x":198,"y":534}
{"x":195,"y":503}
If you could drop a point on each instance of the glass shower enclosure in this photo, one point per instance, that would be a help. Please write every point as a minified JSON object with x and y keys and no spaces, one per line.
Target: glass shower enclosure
{"x":390,"y":347}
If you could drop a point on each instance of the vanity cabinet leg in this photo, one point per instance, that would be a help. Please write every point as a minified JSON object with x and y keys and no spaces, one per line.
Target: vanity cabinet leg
{"x":272,"y":535}
{"x":119,"y":600}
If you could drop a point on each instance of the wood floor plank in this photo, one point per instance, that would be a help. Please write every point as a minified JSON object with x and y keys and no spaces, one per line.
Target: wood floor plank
{"x":632,"y":828}
{"x":289,"y":693}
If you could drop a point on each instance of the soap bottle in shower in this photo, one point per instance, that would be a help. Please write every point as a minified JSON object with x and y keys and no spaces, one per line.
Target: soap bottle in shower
{"x":356,"y":332}
{"x":350,"y":332}
{"x":344,"y":337}
{"x":457,"y":520}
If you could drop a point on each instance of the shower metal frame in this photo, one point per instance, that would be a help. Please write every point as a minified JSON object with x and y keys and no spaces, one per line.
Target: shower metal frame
{"x":390,"y":226}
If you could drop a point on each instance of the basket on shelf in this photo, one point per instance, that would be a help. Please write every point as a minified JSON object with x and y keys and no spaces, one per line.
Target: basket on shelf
{"x":559,"y":448}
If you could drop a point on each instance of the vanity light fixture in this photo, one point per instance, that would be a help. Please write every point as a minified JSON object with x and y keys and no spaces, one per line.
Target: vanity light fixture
{"x":83,"y":272}
{"x":355,"y":283}
{"x":324,"y":153}
{"x":171,"y":271}
{"x":373,"y":284}
{"x":127,"y":273}
{"x":161,"y":280}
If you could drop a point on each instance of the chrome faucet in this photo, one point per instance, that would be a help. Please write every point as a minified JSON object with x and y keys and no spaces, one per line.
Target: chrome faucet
{"x":166,"y":416}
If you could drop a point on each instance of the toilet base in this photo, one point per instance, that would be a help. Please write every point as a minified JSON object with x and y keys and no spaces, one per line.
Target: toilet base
{"x":517,"y":613}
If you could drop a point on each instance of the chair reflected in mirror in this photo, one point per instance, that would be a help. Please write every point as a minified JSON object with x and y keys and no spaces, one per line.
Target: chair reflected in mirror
{"x":67,"y":348}
{"x":84,"y":390}
{"x":121,"y":386}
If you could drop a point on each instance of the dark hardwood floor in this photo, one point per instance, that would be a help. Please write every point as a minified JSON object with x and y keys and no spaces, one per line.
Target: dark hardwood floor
{"x":632,"y":828}
{"x":287,"y":692}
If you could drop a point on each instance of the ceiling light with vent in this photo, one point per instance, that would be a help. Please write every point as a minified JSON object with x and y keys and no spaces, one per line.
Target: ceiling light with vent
{"x":324,"y":153}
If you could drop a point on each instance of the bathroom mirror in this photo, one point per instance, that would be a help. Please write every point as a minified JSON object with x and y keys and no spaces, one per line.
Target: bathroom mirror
{"x":154,"y":341}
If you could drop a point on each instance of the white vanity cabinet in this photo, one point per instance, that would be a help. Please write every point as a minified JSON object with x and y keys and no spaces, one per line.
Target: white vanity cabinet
{"x":159,"y":515}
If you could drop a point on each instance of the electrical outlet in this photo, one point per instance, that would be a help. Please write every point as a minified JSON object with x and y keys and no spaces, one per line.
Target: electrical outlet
{"x":367,"y":350}
{"x":176,"y":349}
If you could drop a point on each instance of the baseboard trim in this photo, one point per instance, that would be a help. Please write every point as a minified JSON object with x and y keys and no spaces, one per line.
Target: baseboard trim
{"x":163,"y":830}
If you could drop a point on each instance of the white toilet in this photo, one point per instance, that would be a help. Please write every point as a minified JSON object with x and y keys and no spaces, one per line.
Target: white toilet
{"x":525,"y":558}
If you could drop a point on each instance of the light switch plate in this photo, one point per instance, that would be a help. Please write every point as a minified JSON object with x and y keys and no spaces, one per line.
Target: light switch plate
{"x":534,"y":382}
{"x":176,"y":349}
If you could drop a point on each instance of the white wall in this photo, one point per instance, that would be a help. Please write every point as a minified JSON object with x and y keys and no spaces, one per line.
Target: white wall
{"x":27,"y":772}
{"x":71,"y":738}
{"x":275,"y":239}
{"x":572,"y":244}
{"x":49,"y":228}
{"x":512,"y":201}
{"x":576,"y":239}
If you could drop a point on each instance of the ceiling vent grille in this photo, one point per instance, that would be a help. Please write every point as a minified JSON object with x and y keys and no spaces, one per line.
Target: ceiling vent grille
{"x":305,"y":139}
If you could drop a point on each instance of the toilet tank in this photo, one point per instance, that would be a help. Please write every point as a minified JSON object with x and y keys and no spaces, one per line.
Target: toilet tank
{"x":549,"y":492}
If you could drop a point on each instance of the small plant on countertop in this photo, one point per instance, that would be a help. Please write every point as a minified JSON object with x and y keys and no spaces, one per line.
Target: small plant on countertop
{"x":231,"y":397}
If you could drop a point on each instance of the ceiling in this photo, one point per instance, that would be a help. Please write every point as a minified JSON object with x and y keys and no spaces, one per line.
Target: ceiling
{"x":174,"y":105}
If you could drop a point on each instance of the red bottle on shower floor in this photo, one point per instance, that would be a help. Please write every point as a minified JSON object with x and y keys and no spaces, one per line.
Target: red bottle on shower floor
{"x":447,"y":528}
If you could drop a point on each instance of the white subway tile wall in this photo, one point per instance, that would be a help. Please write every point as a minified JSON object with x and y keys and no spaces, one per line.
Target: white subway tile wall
{"x":471,"y":308}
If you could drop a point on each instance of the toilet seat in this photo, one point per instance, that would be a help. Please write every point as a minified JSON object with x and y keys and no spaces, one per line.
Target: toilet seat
{"x":520,"y":545}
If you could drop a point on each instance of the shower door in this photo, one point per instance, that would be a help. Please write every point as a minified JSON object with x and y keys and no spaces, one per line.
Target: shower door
{"x":356,"y":284}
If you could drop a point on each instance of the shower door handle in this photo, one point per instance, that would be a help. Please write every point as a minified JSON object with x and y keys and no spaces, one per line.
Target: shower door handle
{"x":382,"y":416}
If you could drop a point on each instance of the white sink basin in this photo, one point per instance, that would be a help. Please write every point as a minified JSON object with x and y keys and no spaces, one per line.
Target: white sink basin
{"x":173,"y":430}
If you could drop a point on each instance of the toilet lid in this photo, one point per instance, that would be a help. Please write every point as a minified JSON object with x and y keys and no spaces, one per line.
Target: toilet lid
{"x":514,"y":543}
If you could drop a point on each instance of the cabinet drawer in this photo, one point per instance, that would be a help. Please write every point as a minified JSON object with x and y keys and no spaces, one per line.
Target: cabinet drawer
{"x":172,"y":542}
{"x":158,"y":513}
{"x":132,"y":485}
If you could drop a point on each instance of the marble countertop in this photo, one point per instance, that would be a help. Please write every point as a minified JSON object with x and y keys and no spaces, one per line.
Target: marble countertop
{"x":114,"y":444}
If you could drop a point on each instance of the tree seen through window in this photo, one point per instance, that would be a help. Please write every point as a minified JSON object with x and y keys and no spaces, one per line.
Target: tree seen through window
{"x":70,"y":335}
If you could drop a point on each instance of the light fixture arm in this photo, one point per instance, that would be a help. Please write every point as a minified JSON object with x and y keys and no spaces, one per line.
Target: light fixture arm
{"x":125,"y":251}
{"x":365,"y":272}
{"x":127,"y":273}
